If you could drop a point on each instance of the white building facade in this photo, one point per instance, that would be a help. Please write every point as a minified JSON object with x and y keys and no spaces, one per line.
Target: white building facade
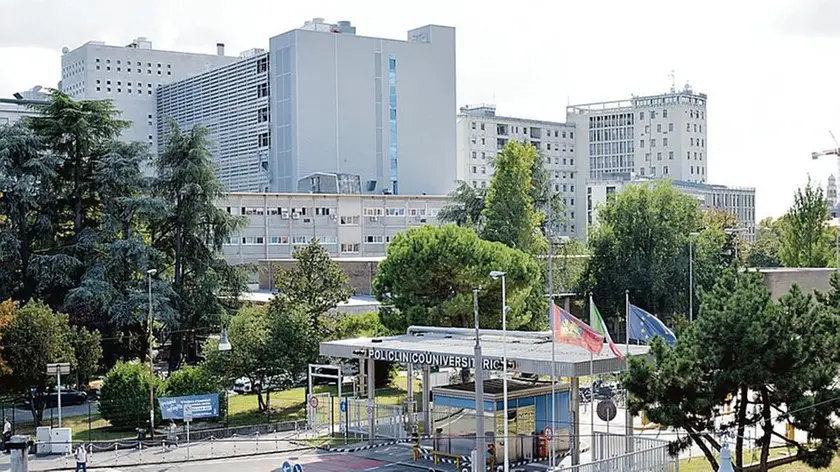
{"x":380,"y":108}
{"x":738,"y":201}
{"x":659,"y":136}
{"x":482,"y":133}
{"x":129,"y":75}
{"x":347,"y":225}
{"x":232,"y":101}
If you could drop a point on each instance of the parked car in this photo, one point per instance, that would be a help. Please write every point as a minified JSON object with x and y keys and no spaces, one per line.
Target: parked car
{"x":242,"y":385}
{"x":69,"y":397}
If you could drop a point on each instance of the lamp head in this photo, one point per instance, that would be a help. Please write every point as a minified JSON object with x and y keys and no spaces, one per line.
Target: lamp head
{"x":151,"y":271}
{"x":224,"y":343}
{"x":496,"y":274}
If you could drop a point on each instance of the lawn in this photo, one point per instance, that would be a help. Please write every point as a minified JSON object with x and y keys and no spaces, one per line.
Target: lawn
{"x":700,"y":464}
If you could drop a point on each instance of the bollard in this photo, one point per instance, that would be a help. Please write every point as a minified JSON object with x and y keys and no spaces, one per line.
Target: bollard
{"x":18,"y":448}
{"x":212,"y":441}
{"x":258,"y":441}
{"x":116,"y":453}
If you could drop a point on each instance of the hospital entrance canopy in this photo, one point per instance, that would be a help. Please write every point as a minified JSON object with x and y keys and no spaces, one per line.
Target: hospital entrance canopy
{"x":528,"y":352}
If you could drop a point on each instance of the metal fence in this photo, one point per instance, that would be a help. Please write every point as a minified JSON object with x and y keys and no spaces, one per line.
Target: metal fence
{"x":619,"y":453}
{"x":390,"y":421}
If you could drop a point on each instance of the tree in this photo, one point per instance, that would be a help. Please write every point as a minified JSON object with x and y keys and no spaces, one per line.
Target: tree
{"x":509,"y":211}
{"x":78,"y":132}
{"x":190,"y":233}
{"x":87,"y":349}
{"x":465,"y":206}
{"x":27,"y":173}
{"x":34,"y":337}
{"x":429,"y":273}
{"x":271,"y":347}
{"x":316,"y":282}
{"x":641,"y":244}
{"x":124,"y":398}
{"x":766,"y":250}
{"x":780,"y":358}
{"x":804,"y":229}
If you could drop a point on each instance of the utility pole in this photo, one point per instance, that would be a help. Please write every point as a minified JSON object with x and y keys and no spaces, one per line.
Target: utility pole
{"x":479,"y":392}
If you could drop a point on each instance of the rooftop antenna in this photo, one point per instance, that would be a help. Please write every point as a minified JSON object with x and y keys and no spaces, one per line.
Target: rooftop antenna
{"x":673,"y":81}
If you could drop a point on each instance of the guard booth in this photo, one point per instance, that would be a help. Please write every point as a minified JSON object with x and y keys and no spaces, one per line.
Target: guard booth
{"x":443,"y":413}
{"x":530,"y":422}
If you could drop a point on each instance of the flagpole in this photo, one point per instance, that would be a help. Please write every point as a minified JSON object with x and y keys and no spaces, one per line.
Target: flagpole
{"x":628,"y":418}
{"x":551,"y":323}
{"x":591,"y":381}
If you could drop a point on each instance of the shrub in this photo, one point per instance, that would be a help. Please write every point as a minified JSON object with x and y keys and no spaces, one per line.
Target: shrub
{"x":124,"y":400}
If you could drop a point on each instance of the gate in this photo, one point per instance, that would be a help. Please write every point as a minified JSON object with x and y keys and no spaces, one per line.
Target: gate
{"x":319,"y":413}
{"x":389,"y":420}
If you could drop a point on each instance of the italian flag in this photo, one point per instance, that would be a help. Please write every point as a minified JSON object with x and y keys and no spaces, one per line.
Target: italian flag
{"x":597,"y":323}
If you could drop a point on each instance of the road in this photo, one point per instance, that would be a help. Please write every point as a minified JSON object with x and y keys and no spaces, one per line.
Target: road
{"x":22,"y":415}
{"x":311,"y":462}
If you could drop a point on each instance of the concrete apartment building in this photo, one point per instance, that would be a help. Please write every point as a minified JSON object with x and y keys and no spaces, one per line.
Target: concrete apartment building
{"x":482,"y":133}
{"x":129,"y":75}
{"x":658,"y":136}
{"x":323,"y":99}
{"x":735,"y":200}
{"x":347,"y":225}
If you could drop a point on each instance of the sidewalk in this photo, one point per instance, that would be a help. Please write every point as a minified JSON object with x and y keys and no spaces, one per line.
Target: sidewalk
{"x":196,"y":451}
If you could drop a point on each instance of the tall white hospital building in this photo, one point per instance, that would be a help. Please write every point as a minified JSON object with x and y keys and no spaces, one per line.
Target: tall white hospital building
{"x":129,"y":75}
{"x":323,"y":99}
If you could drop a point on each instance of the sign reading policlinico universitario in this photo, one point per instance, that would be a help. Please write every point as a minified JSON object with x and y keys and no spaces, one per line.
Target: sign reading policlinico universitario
{"x":438,"y":360}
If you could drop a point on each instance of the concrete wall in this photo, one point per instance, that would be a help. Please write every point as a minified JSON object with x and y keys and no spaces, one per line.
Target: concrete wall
{"x":360,"y":272}
{"x":780,"y":280}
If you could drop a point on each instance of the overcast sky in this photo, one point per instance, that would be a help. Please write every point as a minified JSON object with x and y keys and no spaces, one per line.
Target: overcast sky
{"x":769,"y":67}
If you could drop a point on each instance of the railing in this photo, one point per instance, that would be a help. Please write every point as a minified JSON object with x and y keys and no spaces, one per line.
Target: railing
{"x":649,"y":460}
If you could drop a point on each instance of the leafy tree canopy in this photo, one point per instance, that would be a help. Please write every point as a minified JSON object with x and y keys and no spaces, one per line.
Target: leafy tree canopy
{"x":804,"y":230}
{"x":429,"y":273}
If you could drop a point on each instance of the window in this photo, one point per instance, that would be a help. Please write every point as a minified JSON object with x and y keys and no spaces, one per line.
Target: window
{"x":262,"y":90}
{"x":664,"y":113}
{"x":483,"y":169}
{"x":263,"y":139}
{"x":653,"y":115}
{"x":653,"y":143}
{"x":692,"y":169}
{"x":374,"y":239}
{"x":641,"y":115}
{"x":695,"y":155}
{"x":688,"y":126}
{"x":328,"y":240}
{"x":571,"y":162}
{"x":483,"y":155}
{"x":299,"y":210}
{"x":653,"y":171}
{"x":695,"y":127}
{"x":416,"y":212}
{"x":691,"y":141}
{"x":482,"y":126}
{"x":647,"y":157}
{"x":262,"y":65}
{"x":642,"y":143}
{"x":659,"y":127}
{"x":701,"y":156}
{"x":395,"y":211}
{"x":369,"y":211}
{"x":349,"y":247}
{"x":665,"y":170}
{"x":665,"y":142}
{"x":571,"y":134}
{"x":262,"y":115}
{"x":300,"y":240}
{"x":322,"y":211}
{"x":688,"y":155}
{"x":279,"y":240}
{"x":647,"y":129}
{"x":349,"y":220}
{"x":671,"y":155}
{"x":658,"y":156}
{"x":670,"y":126}
{"x":472,"y":140}
{"x":474,"y":169}
{"x":474,"y":155}
{"x":701,"y":128}
{"x":472,"y":124}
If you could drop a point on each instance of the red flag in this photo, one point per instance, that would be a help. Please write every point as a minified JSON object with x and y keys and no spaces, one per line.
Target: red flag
{"x":570,"y":330}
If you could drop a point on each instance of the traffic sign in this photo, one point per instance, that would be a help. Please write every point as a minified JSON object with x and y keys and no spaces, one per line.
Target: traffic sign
{"x":342,"y":406}
{"x":606,"y":410}
{"x":313,"y":401}
{"x":549,"y":433}
{"x":62,"y":368}
{"x":297,"y":468}
{"x":188,"y":412}
{"x":286,"y":467}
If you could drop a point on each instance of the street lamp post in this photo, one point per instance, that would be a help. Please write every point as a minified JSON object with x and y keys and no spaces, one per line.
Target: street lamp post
{"x":150,"y":273}
{"x":691,"y":237}
{"x":496,"y":275}
{"x":479,"y":389}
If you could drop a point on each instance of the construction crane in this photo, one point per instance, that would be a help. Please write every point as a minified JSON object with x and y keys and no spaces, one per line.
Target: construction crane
{"x":829,"y":152}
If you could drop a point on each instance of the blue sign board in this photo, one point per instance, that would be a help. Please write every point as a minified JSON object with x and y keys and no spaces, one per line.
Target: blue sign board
{"x":286,"y":467}
{"x":203,"y":406}
{"x":297,"y":468}
{"x":343,"y":406}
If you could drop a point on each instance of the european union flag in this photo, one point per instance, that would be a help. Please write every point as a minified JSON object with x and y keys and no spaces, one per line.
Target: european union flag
{"x":644,"y":327}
